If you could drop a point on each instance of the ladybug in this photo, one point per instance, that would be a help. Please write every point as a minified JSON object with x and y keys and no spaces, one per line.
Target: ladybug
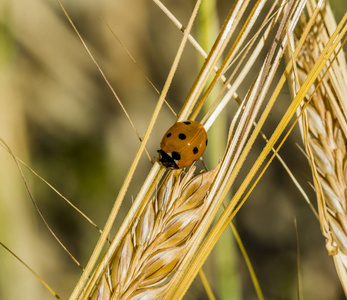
{"x":182,"y":144}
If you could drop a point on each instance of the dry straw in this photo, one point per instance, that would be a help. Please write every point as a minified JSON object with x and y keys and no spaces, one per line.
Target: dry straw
{"x":324,"y":130}
{"x":171,"y":227}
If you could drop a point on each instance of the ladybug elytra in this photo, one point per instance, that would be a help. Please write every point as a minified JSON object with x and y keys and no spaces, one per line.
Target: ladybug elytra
{"x":182,"y":144}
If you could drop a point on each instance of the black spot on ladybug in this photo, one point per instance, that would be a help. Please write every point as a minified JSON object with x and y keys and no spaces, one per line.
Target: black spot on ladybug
{"x":175,"y":155}
{"x":168,"y":135}
{"x":195,"y":150}
{"x":182,"y":136}
{"x":187,"y":122}
{"x":206,"y":141}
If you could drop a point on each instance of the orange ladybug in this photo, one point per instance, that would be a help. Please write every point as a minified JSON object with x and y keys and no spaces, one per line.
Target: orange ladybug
{"x":182,"y":144}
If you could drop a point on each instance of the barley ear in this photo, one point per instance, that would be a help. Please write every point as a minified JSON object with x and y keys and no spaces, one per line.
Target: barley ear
{"x":324,"y":133}
{"x":158,"y":241}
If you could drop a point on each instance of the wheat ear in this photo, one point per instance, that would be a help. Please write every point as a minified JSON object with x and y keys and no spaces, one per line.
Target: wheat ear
{"x":158,"y":240}
{"x":324,"y":129}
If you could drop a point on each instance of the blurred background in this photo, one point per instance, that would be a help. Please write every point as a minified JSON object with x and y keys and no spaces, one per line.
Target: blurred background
{"x":58,"y":115}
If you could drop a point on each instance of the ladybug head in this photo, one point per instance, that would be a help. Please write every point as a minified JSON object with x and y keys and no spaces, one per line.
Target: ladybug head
{"x":166,"y":160}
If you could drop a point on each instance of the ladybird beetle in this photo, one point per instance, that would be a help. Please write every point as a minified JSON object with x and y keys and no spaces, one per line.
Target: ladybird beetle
{"x":182,"y":144}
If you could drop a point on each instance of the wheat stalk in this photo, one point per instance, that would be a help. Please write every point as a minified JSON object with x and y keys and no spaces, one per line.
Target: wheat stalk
{"x":324,"y":130}
{"x":152,"y":250}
